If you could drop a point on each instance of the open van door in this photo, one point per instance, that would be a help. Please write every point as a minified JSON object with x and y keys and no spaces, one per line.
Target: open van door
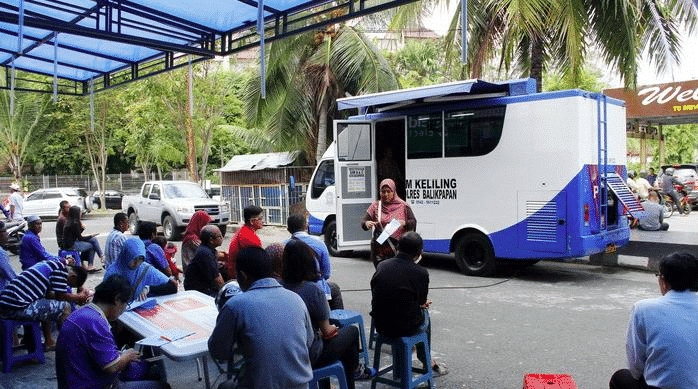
{"x":354,"y":168}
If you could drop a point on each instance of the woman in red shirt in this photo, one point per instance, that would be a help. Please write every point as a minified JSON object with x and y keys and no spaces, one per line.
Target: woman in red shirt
{"x":244,"y":238}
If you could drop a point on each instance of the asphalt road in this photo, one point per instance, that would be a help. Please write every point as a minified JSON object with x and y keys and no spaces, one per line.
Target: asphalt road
{"x":552,"y":317}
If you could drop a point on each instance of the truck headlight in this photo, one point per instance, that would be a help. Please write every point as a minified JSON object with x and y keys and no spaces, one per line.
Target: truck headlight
{"x":185,"y":209}
{"x":225,"y":208}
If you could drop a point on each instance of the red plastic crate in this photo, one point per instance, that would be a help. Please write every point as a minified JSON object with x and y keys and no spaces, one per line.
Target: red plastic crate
{"x":549,"y":381}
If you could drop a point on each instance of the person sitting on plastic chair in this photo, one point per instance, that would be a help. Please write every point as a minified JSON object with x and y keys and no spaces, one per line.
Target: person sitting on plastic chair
{"x":399,"y":291}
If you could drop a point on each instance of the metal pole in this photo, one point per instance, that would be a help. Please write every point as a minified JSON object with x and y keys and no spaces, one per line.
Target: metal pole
{"x":464,"y":30}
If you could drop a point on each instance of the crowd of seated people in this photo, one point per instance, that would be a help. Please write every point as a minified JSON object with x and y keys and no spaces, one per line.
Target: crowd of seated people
{"x":285,"y":286}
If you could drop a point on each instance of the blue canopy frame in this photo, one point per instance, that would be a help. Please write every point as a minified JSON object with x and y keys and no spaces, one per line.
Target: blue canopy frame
{"x":118,"y":41}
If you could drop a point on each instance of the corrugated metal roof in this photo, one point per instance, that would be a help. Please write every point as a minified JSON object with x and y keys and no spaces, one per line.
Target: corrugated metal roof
{"x":251,"y":162}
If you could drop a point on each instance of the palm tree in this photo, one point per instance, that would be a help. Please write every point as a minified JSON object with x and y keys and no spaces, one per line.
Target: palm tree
{"x":538,"y":34}
{"x":305,"y":75}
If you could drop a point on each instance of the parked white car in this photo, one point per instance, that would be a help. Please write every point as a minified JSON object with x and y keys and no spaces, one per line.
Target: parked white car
{"x":45,"y":202}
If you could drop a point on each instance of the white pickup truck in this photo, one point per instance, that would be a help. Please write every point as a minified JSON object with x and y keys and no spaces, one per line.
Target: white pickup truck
{"x":172,"y":204}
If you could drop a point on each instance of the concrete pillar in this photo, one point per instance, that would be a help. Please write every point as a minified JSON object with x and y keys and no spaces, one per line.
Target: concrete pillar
{"x":661,"y":145}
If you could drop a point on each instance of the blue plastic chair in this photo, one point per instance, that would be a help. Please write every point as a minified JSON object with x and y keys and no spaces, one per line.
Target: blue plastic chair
{"x":342,"y":318}
{"x":402,"y":362}
{"x":32,"y":336}
{"x":334,"y":370}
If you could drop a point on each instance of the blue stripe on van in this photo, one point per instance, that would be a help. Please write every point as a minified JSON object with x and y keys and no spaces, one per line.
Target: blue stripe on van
{"x":580,"y":240}
{"x":315,"y":225}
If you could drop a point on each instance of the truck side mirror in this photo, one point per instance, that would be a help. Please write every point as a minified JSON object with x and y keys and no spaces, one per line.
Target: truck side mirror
{"x":154,"y":196}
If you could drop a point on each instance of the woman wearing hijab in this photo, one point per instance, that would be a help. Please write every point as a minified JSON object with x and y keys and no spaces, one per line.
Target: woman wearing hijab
{"x":381,"y":212}
{"x":73,"y":239}
{"x":192,"y":236}
{"x":142,"y":277}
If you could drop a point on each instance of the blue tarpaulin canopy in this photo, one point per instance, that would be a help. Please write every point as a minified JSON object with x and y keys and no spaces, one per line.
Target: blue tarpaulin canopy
{"x":386,"y":101}
{"x":118,"y":41}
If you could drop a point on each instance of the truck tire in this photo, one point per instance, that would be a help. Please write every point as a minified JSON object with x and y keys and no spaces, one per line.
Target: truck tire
{"x":133,"y":223}
{"x":475,"y":255}
{"x":170,"y":228}
{"x":331,"y":240}
{"x":223,"y":228}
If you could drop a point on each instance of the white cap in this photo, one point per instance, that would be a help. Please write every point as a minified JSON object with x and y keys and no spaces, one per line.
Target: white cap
{"x":14,"y":186}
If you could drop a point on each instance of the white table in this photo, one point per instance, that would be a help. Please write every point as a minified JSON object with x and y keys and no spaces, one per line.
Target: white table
{"x":189,"y":310}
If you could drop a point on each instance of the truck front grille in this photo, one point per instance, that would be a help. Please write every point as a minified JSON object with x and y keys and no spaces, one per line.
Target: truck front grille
{"x":212,"y":210}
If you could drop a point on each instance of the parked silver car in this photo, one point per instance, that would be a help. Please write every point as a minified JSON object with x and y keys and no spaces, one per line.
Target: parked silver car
{"x":45,"y":202}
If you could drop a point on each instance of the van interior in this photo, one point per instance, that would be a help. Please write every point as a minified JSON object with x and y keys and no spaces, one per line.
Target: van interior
{"x":390,"y":153}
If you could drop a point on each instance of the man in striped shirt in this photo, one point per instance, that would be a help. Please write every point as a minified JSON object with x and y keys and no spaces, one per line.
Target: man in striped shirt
{"x":115,"y":239}
{"x":41,"y":293}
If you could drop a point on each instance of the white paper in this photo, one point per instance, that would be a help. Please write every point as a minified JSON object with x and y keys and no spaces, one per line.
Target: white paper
{"x":164,"y":338}
{"x":149,"y":302}
{"x":388,"y":230}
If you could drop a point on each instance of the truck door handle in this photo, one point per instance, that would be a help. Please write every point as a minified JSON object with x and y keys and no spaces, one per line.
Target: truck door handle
{"x":561,"y":222}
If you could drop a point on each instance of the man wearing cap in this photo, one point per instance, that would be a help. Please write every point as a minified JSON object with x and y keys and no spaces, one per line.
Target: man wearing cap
{"x":16,"y":203}
{"x":31,"y":251}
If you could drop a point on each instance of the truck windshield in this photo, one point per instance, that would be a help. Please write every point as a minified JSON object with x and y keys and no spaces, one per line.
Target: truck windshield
{"x":178,"y":191}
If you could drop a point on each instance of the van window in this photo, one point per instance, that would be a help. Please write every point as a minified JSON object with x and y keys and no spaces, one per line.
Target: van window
{"x":473,"y":132}
{"x":354,"y":141}
{"x":424,"y":139}
{"x":324,"y":177}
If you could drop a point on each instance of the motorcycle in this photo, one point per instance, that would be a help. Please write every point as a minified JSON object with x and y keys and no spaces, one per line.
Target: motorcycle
{"x":668,"y":202}
{"x":15,"y":232}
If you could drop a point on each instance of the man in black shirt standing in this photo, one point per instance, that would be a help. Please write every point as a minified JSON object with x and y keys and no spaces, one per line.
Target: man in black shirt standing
{"x":202,"y":273}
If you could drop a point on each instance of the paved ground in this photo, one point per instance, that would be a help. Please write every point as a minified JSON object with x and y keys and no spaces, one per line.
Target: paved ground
{"x":477,"y":319}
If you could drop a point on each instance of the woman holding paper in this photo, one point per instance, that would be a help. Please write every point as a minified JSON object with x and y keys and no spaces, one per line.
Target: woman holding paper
{"x":389,"y":214}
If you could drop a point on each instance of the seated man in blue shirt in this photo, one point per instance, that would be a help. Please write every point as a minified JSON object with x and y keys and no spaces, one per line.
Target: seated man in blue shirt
{"x":662,"y":336}
{"x":276,"y":354}
{"x":298,"y":228}
{"x":31,"y":251}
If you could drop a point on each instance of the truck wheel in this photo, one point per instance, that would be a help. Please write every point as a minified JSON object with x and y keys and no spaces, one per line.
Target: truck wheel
{"x":223,"y":228}
{"x":170,"y":228}
{"x":133,"y":223}
{"x":331,"y":240}
{"x":475,"y":255}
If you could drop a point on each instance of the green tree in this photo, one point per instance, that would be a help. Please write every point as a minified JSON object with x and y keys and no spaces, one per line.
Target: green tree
{"x":680,"y":143}
{"x":152,"y":137}
{"x":20,"y":126}
{"x":305,"y":75}
{"x":419,"y":63}
{"x":532,"y":35}
{"x":589,"y":79}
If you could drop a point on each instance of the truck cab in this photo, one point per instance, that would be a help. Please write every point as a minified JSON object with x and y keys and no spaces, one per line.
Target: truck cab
{"x":172,"y":204}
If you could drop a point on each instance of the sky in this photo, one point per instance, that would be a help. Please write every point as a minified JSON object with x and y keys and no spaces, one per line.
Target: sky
{"x":686,"y":70}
